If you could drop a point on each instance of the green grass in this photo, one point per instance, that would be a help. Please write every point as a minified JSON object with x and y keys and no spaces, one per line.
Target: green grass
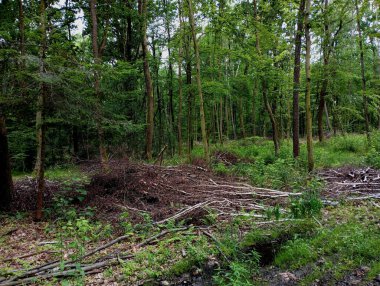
{"x":349,"y":240}
{"x":70,"y":174}
{"x":258,"y":163}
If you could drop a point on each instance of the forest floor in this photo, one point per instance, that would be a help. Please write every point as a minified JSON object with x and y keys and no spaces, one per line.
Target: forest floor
{"x":247,"y":219}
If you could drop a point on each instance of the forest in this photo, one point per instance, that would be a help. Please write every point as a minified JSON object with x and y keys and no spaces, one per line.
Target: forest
{"x":189,"y":142}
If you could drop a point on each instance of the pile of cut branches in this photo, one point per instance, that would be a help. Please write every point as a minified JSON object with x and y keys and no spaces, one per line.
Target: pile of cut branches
{"x":351,"y":183}
{"x":183,"y":192}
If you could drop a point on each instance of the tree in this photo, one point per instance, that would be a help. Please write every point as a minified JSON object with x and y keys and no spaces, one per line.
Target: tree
{"x":143,"y":10}
{"x":180,"y":83}
{"x":6,"y":184}
{"x":40,"y":115}
{"x":296,"y":78}
{"x":97,"y":53}
{"x":362,"y":69}
{"x":309,"y":126}
{"x":199,"y":81}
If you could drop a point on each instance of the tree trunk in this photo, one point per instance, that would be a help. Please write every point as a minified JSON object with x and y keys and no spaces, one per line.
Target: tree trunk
{"x":254,"y":95}
{"x":221,"y":119}
{"x":180,"y":91}
{"x":143,"y":10}
{"x":325,"y":80}
{"x":376,"y":62}
{"x":241,"y":117}
{"x":226,"y":112}
{"x":22,"y":29}
{"x":190,"y":100}
{"x":327,"y":118}
{"x":309,"y":127}
{"x":6,"y":184}
{"x":273,"y":121}
{"x":158,"y":95}
{"x":364,"y":83}
{"x":98,"y":108}
{"x":199,"y":83}
{"x":296,"y":80}
{"x":40,"y":116}
{"x":272,"y":118}
{"x":128,"y":44}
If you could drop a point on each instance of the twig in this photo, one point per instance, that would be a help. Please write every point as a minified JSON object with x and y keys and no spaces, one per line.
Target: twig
{"x":217,"y":245}
{"x":108,"y":262}
{"x":185,"y":211}
{"x":28,"y":255}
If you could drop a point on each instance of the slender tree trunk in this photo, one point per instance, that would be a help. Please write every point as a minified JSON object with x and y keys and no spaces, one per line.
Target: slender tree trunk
{"x":199,"y":83}
{"x":190,"y":98}
{"x":75,"y":139}
{"x":326,"y":56}
{"x":40,"y":116}
{"x":180,"y":91}
{"x":376,"y":65}
{"x":221,"y":119}
{"x":98,"y":108}
{"x":233,"y":117}
{"x":254,"y":95}
{"x":327,"y":118}
{"x":264,"y":83}
{"x":256,"y":85}
{"x":170,"y":85}
{"x":6,"y":183}
{"x":143,"y":7}
{"x":22,"y":29}
{"x":226,"y":112}
{"x":241,"y":117}
{"x":129,"y":43}
{"x":158,"y":95}
{"x":362,"y":66}
{"x":309,"y":127}
{"x":273,"y":121}
{"x":296,"y":80}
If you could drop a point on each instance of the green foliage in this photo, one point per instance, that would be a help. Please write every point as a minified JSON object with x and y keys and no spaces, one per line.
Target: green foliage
{"x":239,"y":273}
{"x":220,"y":169}
{"x":308,"y":205}
{"x":295,"y":253}
{"x":343,"y":246}
{"x":373,"y":156}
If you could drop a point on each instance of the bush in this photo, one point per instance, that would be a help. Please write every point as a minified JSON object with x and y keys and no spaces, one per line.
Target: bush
{"x":354,"y":144}
{"x":373,"y":158}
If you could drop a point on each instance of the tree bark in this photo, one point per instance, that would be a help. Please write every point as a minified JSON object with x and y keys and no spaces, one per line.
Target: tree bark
{"x":190,"y":100}
{"x":180,"y":83}
{"x":158,"y":95}
{"x":21,"y":28}
{"x":275,"y":136}
{"x":325,"y":80}
{"x":6,"y":183}
{"x":128,"y":44}
{"x":199,"y":82}
{"x":309,"y":127}
{"x":296,"y":79}
{"x":40,"y":116}
{"x":241,"y":118}
{"x":97,"y":51}
{"x":276,"y":139}
{"x":362,"y":67}
{"x":143,"y":10}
